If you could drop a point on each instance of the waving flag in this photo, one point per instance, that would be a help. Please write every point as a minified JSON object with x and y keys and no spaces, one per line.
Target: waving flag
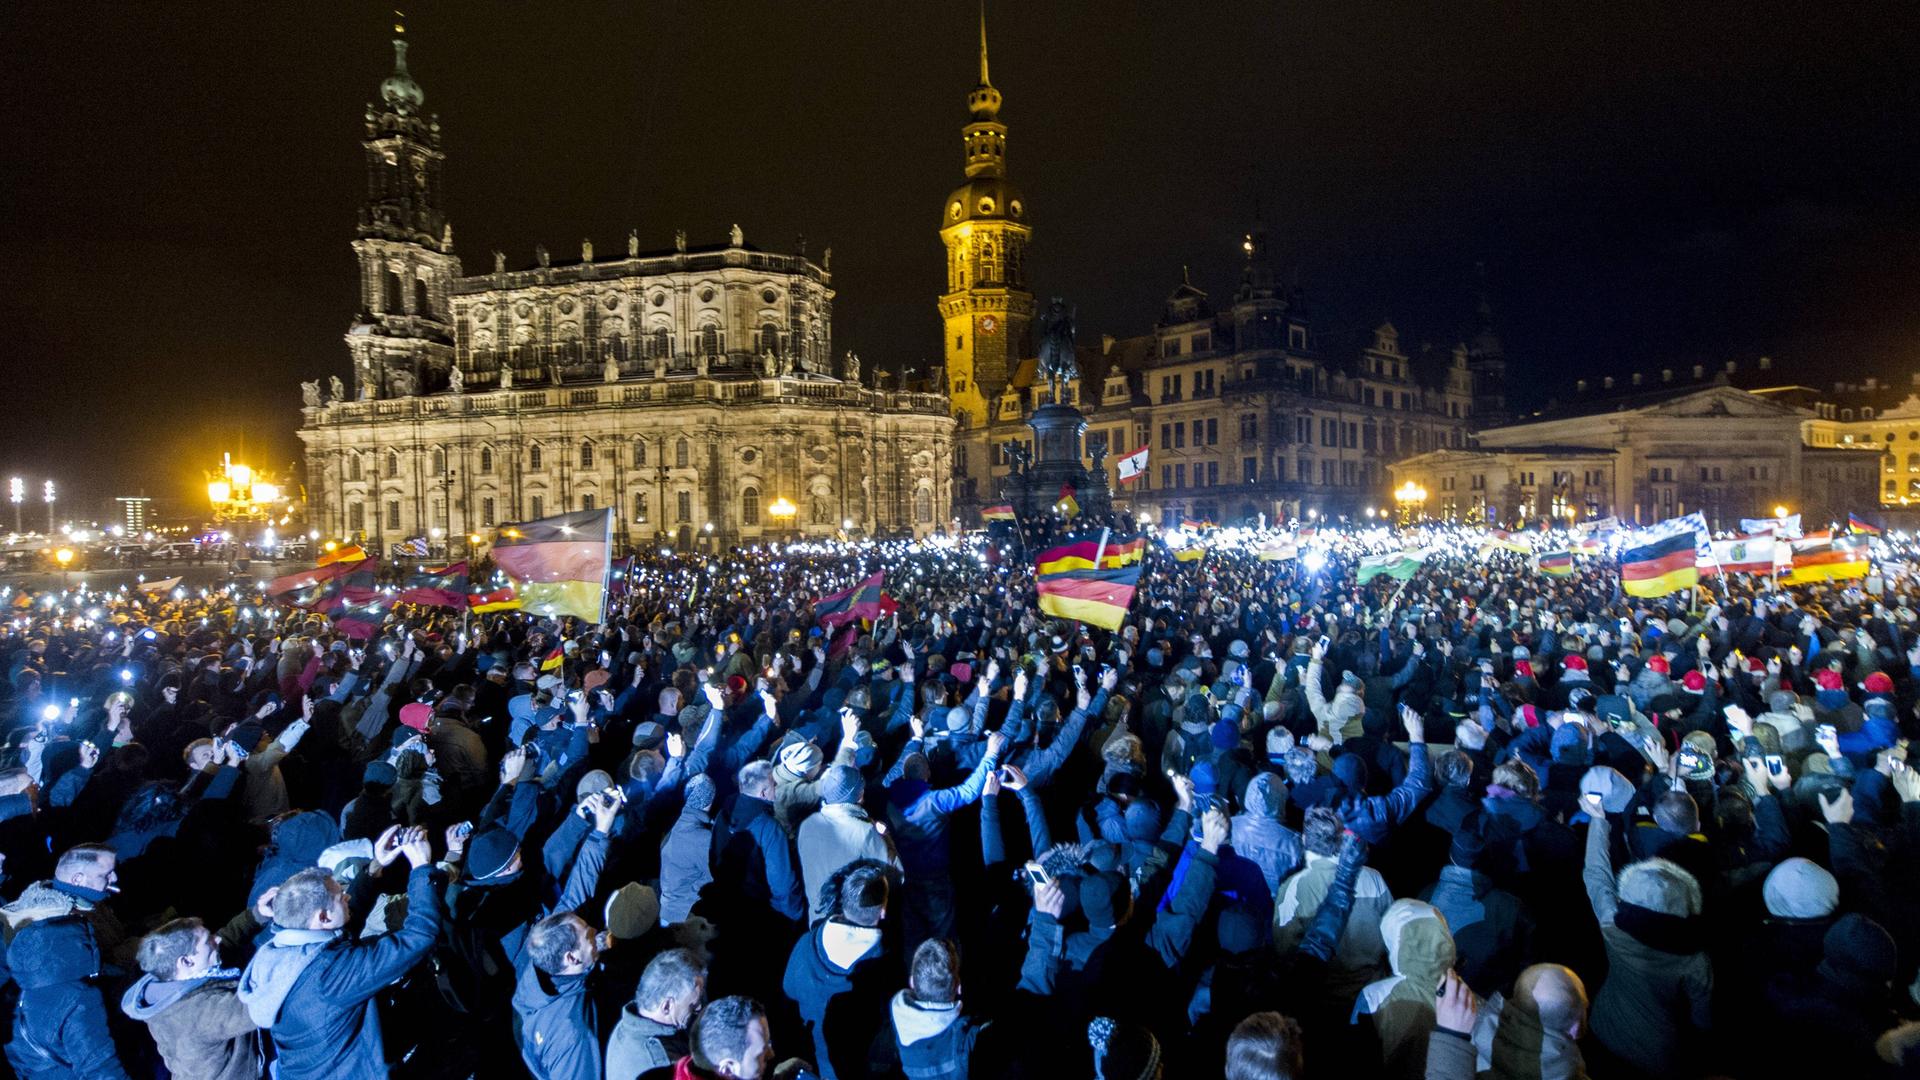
{"x":415,"y":548}
{"x":353,"y":601}
{"x":1099,"y":597}
{"x":1744,"y":555}
{"x":1824,"y":558}
{"x":1787,"y":527}
{"x":860,"y":602}
{"x":1079,"y":551}
{"x":1133,"y":466}
{"x":1067,"y":504}
{"x":307,"y":579}
{"x":1660,"y":560}
{"x":163,"y":586}
{"x":1555,"y":563}
{"x":349,"y":553}
{"x":1856,"y":523}
{"x":443,"y":587}
{"x":1506,"y":541}
{"x":497,"y":600}
{"x":559,"y":564}
{"x":554,"y":660}
{"x":1398,"y":565}
{"x":1003,"y":512}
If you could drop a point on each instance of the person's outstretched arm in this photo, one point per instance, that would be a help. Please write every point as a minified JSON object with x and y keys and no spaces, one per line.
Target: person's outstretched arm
{"x":1598,"y":872}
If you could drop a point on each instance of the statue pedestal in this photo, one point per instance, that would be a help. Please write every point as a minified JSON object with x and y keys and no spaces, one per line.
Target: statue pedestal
{"x":1056,"y":463}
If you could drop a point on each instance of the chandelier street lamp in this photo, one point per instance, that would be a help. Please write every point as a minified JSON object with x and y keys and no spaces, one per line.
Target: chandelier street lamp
{"x":48,"y":495}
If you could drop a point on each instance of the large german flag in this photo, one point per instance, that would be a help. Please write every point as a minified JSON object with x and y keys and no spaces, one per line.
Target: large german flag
{"x":497,"y":600}
{"x":559,"y":564}
{"x":1828,"y":558}
{"x":1660,"y":561}
{"x":445,"y":586}
{"x":1099,"y":597}
{"x":1079,"y":551}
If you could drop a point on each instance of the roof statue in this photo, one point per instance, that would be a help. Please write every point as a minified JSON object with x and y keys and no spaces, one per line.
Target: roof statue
{"x":310,"y":394}
{"x":456,"y":380}
{"x":633,"y":243}
{"x":735,"y":236}
{"x":337,"y":388}
{"x":853,"y":367}
{"x":586,"y":251}
{"x":1057,"y":361}
{"x":680,"y":241}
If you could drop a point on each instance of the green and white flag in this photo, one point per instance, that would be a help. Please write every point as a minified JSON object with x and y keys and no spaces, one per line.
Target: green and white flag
{"x":1398,"y":565}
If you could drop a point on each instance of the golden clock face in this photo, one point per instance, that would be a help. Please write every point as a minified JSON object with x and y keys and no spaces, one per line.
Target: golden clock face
{"x":989,"y":324}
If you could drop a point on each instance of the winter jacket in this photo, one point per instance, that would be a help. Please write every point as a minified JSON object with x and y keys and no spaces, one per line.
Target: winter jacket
{"x":1492,"y":930}
{"x":60,"y":1023}
{"x":559,"y":1039}
{"x":1357,"y":957}
{"x":934,"y":1041}
{"x":1419,"y":952}
{"x":821,"y":969}
{"x":795,"y":797}
{"x":1509,"y":1040}
{"x":200,"y":1025}
{"x":919,"y":813}
{"x":839,"y":834}
{"x":1340,"y":718}
{"x":315,"y":989}
{"x":686,"y":863}
{"x":1259,"y":837}
{"x":639,"y":1045}
{"x":758,"y":863}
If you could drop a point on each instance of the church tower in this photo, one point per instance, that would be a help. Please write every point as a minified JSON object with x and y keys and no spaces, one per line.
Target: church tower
{"x":1486,"y":359}
{"x":987,"y":306}
{"x":400,"y":339}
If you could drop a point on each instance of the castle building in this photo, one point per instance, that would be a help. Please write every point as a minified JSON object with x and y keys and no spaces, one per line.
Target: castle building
{"x":691,"y":389}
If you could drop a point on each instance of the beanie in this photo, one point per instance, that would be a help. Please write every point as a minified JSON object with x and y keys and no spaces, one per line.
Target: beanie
{"x":1782,"y":701}
{"x":801,"y":758}
{"x":1226,"y":735}
{"x":1204,"y":779}
{"x":1615,"y":790}
{"x":700,"y":792}
{"x":1279,"y":741}
{"x":489,"y":852}
{"x":1828,"y":679}
{"x":1105,"y":899}
{"x":1659,"y":664}
{"x":379,"y":774}
{"x":1694,"y":682}
{"x":1468,"y":846}
{"x":1123,"y":1052}
{"x":1142,"y":820}
{"x":1800,"y":889}
{"x":1569,"y":745}
{"x":841,"y":784}
{"x":1523,"y":669}
{"x":1860,"y":954}
{"x":415,"y":715}
{"x":1348,"y":678}
{"x":1878,"y":683}
{"x":1576,"y":662}
{"x":959,"y":718}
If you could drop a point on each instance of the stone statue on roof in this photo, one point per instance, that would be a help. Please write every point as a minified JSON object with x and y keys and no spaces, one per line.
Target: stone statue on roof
{"x":456,"y":380}
{"x":1057,"y":360}
{"x":310,"y":394}
{"x":337,"y":388}
{"x":853,"y":366}
{"x":736,"y":237}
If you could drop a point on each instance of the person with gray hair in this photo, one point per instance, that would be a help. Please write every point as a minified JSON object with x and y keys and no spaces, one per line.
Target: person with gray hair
{"x":1659,"y":985}
{"x":652,"y":1032}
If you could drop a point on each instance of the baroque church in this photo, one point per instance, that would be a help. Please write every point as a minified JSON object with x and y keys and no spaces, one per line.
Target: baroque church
{"x":693,"y":390}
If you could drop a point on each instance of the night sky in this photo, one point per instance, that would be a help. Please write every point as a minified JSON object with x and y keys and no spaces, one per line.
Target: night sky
{"x":1649,"y":184}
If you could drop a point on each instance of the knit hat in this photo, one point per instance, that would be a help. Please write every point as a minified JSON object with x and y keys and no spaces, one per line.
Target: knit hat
{"x":1828,"y":679}
{"x":1523,"y":669}
{"x":1521,"y":652}
{"x":1529,"y":715}
{"x":1279,"y":741}
{"x":1860,"y":954}
{"x":1105,"y":899}
{"x":1614,"y":789}
{"x":958,"y":718}
{"x":1664,"y":703}
{"x":700,"y":792}
{"x":379,"y":774}
{"x":1205,"y":780}
{"x":416,"y":715}
{"x":801,"y":758}
{"x":1142,"y":820}
{"x":1660,"y":886}
{"x":1226,"y":735}
{"x":1468,"y":846}
{"x":1659,"y":664}
{"x":1576,"y":663}
{"x":547,"y":682}
{"x":489,"y":852}
{"x":631,"y":911}
{"x":841,"y":784}
{"x":1694,"y":682}
{"x":1123,"y":1052}
{"x":1800,"y":889}
{"x":1569,"y":745}
{"x":1878,"y":683}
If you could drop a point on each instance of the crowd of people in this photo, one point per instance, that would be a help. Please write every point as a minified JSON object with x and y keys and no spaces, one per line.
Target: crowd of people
{"x":1478,"y":821}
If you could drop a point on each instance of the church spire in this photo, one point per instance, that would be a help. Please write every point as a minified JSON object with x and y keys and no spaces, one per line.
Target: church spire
{"x":984,"y":81}
{"x":984,"y":101}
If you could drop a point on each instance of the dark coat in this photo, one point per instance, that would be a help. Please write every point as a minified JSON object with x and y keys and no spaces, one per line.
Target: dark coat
{"x":559,"y":1039}
{"x":60,"y":1024}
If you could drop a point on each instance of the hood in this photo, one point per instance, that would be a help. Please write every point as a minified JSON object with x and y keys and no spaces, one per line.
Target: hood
{"x":267,"y":981}
{"x":915,"y":1021}
{"x":1419,"y":945}
{"x":535,"y":990}
{"x":1351,"y":772}
{"x":1261,"y":800}
{"x":41,"y":900}
{"x":844,"y":944}
{"x":296,"y":845}
{"x":53,"y":951}
{"x":1521,"y":1047}
{"x":149,"y":997}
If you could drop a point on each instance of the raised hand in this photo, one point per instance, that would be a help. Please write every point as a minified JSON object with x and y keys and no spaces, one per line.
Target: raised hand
{"x":414,"y":845}
{"x":676,"y":745}
{"x":1214,"y":830}
{"x":996,"y":742}
{"x":1457,"y":1009}
{"x":1109,"y":679}
{"x":1050,"y":898}
{"x":387,"y":848}
{"x":1738,"y":720}
{"x":1840,"y":810}
{"x":1013,"y":776}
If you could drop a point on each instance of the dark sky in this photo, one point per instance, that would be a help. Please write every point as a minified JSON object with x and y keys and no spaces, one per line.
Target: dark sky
{"x":1650,"y":184}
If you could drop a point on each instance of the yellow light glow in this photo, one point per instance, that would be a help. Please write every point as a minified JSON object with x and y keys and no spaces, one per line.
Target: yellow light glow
{"x":782,"y":508}
{"x":1410,"y":492}
{"x":1780,"y":511}
{"x":63,"y":556}
{"x":219,"y":491}
{"x":241,"y":475}
{"x":266,"y":492}
{"x":331,"y":545}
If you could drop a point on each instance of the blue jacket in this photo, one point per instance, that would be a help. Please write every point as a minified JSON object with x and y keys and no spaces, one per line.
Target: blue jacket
{"x":758,"y":859}
{"x":317,"y":997}
{"x":60,"y":1025}
{"x":559,"y":1035}
{"x":919,"y":813}
{"x":1372,"y":818}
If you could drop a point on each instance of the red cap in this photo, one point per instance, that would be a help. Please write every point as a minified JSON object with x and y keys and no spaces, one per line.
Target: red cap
{"x":1694,"y":682}
{"x":1523,"y":669}
{"x":1828,"y":679}
{"x":737,"y":685}
{"x":415,"y":715}
{"x":1576,"y":662}
{"x":1756,"y":665}
{"x":1878,"y":683}
{"x":1530,"y":715}
{"x":1659,"y":664}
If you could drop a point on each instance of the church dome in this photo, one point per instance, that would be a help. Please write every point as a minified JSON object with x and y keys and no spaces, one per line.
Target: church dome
{"x":984,"y":198}
{"x":399,"y":90}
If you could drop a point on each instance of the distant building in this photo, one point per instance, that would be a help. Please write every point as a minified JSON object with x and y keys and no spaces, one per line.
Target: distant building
{"x":687,"y":388}
{"x":134,"y":510}
{"x":1650,"y":452}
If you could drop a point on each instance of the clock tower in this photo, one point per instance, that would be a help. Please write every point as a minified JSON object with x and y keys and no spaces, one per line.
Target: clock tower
{"x":987,"y":306}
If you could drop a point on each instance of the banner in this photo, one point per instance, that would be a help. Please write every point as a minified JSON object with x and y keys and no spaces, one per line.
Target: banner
{"x":559,"y":565}
{"x":1398,"y":565}
{"x":1078,"y":553}
{"x":860,"y":602}
{"x":443,"y":587}
{"x":1743,"y":555}
{"x":1133,"y":466}
{"x":1788,"y":527}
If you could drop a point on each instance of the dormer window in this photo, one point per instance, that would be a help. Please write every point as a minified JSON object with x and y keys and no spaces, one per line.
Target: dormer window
{"x":986,"y":205}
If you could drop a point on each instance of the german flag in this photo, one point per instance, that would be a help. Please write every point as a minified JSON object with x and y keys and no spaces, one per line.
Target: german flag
{"x":1098,"y":597}
{"x":444,"y":586}
{"x":553,"y":660}
{"x":860,"y":602}
{"x":1821,"y":558}
{"x":308,"y":579}
{"x":1191,"y":553}
{"x":559,"y":565}
{"x":1858,"y":524}
{"x":1003,"y":512}
{"x":350,"y":553}
{"x":1659,"y":561}
{"x":1555,"y":563}
{"x":497,"y":600}
{"x":1079,"y":551}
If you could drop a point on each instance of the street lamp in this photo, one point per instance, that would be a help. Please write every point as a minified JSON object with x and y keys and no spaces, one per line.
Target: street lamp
{"x":1411,"y":497}
{"x":781,"y":510}
{"x":17,"y":491}
{"x":48,"y":495}
{"x":1780,"y":511}
{"x":65,"y":558}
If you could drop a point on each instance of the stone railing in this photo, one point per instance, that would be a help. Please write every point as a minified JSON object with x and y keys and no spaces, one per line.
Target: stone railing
{"x":655,"y":392}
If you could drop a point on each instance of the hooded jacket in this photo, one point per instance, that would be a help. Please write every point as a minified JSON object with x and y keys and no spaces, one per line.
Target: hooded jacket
{"x":559,"y":1037}
{"x":821,"y":968}
{"x":1357,"y":956}
{"x":60,"y":1024}
{"x":1419,"y":952}
{"x":201,"y":1026}
{"x":934,"y":1041}
{"x":1653,"y":997}
{"x":315,"y":989}
{"x":1259,"y":836}
{"x":1339,"y":719}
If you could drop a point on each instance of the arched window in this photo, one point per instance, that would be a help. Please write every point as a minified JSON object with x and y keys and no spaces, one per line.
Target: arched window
{"x":680,"y":454}
{"x":439,"y":462}
{"x":393,"y":463}
{"x":662,"y":347}
{"x":421,"y":304}
{"x":1913,"y":463}
{"x":533,"y":457}
{"x":354,"y":469}
{"x":586,"y":455}
{"x":923,"y":506}
{"x":617,"y":348}
{"x":639,"y":453}
{"x":750,"y":506}
{"x":769,"y":339}
{"x":710,"y":340}
{"x":486,"y":459}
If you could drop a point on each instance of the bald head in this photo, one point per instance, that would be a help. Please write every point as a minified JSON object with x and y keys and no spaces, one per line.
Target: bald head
{"x":1555,"y":995}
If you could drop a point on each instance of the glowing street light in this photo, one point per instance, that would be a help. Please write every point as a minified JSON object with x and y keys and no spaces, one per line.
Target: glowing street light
{"x":1780,"y":511}
{"x":17,"y":492}
{"x":47,"y":493}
